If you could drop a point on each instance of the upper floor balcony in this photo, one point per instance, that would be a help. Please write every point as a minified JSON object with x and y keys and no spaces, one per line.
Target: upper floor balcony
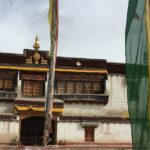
{"x":7,"y":95}
{"x":83,"y":98}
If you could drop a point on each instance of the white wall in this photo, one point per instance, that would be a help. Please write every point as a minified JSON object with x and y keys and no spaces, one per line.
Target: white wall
{"x":116,"y":88}
{"x":113,"y":133}
{"x":9,"y":131}
{"x":70,"y":132}
{"x":6,"y":107}
{"x":105,"y":132}
{"x":19,"y":93}
{"x":82,"y":109}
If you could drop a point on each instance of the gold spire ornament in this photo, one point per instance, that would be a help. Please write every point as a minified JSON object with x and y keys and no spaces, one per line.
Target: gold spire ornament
{"x":36,"y":45}
{"x":36,"y":57}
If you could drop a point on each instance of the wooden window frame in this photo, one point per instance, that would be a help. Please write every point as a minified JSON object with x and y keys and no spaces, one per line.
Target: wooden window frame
{"x":67,"y":89}
{"x":100,"y":88}
{"x":92,"y":91}
{"x":32,"y":94}
{"x":89,"y":91}
{"x":76,"y":87}
{"x":7,"y":89}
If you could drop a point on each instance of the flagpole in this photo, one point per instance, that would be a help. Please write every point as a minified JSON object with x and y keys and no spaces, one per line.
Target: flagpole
{"x":147,"y":16}
{"x":53,"y":20}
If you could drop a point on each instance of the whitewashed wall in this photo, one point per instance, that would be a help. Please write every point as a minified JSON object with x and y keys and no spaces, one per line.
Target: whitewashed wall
{"x":70,"y":132}
{"x":9,"y":131}
{"x":113,"y":133}
{"x":19,"y":93}
{"x":82,"y":109}
{"x":116,"y":88}
{"x":6,"y":107}
{"x":105,"y":133}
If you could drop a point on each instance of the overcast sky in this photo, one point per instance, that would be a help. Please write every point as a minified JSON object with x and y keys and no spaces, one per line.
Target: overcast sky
{"x":88,"y":28}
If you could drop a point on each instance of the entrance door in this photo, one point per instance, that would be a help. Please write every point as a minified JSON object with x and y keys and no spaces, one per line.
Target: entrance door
{"x":89,"y":134}
{"x":32,"y":131}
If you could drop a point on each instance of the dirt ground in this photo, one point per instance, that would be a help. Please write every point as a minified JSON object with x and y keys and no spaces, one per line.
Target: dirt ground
{"x":65,"y":147}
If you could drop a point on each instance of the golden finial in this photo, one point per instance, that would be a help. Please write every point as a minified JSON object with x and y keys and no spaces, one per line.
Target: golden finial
{"x":36,"y":45}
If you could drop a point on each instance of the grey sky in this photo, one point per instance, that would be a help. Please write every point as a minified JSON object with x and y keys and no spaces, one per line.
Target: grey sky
{"x":88,"y":28}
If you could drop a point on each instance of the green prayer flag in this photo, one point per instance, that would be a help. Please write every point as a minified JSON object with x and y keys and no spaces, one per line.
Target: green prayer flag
{"x":137,"y":74}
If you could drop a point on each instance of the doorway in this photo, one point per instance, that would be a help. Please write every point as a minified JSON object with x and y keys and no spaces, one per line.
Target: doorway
{"x":32,"y":131}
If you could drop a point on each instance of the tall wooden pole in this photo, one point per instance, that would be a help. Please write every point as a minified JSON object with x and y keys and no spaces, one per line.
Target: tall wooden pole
{"x":53,"y":20}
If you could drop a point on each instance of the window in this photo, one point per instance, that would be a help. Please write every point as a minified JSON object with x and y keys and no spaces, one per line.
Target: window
{"x":70,"y":87}
{"x":88,"y":87}
{"x":89,"y":134}
{"x":79,"y":87}
{"x":27,"y":88}
{"x":6,"y":85}
{"x":37,"y":88}
{"x":61,"y":87}
{"x":96,"y":87}
{"x":1,"y":84}
{"x":33,"y":88}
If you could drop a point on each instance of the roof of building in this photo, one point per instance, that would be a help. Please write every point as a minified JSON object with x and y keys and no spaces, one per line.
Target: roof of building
{"x":116,"y":68}
{"x":63,"y":62}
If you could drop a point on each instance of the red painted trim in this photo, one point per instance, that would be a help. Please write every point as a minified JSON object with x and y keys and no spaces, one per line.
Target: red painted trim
{"x":8,"y":118}
{"x":36,"y":103}
{"x":97,"y":119}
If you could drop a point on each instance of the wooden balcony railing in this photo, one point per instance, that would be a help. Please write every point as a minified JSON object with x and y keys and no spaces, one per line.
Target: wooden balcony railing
{"x":92,"y":98}
{"x":6,"y":94}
